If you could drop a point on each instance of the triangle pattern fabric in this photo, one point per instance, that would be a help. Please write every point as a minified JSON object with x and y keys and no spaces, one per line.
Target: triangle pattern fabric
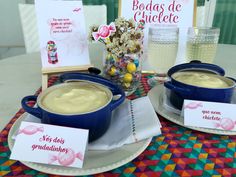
{"x":178,"y":151}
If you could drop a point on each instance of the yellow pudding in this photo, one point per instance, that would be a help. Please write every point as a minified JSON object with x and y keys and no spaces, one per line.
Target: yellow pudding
{"x":201,"y":79}
{"x":76,"y":98}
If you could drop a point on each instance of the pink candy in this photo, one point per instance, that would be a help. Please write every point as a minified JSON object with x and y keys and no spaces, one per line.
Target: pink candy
{"x":66,"y":158}
{"x":141,"y":24}
{"x":104,"y":31}
{"x":30,"y":130}
{"x":77,"y":10}
{"x":226,"y":124}
{"x":193,"y":105}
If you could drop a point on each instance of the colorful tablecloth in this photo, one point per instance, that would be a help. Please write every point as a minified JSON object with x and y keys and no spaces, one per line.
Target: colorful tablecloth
{"x":178,"y":151}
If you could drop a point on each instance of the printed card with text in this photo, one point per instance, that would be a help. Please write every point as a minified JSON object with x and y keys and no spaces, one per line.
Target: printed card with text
{"x":210,"y":115}
{"x":49,"y":144}
{"x":161,"y":12}
{"x":62,"y":33}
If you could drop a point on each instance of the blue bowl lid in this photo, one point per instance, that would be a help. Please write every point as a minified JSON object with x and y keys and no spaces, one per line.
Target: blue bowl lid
{"x":196,"y":65}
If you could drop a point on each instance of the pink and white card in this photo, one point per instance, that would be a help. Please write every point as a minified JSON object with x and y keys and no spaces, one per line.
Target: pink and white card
{"x":49,"y":144}
{"x":62,"y":33}
{"x":161,"y":12}
{"x":210,"y":115}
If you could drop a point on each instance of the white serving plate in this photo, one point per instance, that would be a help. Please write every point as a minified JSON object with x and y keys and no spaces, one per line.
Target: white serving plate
{"x":156,"y":97}
{"x":95,"y":161}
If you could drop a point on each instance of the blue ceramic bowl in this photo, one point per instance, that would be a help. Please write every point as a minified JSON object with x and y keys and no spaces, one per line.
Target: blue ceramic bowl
{"x":181,"y":91}
{"x":97,"y":121}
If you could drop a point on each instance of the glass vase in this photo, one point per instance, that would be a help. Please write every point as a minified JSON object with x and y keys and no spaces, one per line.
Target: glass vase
{"x":123,"y":70}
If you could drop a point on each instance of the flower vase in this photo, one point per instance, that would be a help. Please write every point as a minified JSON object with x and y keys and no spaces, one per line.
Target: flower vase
{"x":124,"y":70}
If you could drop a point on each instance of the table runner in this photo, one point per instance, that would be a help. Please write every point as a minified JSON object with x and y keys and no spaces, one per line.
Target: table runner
{"x":178,"y":151}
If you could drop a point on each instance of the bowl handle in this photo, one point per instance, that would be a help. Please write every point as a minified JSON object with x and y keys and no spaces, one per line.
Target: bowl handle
{"x":180,"y":90}
{"x":121,"y":97}
{"x":232,"y":79}
{"x":33,"y":111}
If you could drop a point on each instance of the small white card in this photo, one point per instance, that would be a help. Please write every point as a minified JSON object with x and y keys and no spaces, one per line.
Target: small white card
{"x":62,"y":33}
{"x":210,"y":115}
{"x":49,"y":144}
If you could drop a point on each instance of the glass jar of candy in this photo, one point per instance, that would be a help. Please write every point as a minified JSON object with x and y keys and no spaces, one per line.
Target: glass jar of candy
{"x":124,"y":71}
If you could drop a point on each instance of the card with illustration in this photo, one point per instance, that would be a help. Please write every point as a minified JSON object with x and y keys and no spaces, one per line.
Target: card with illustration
{"x":49,"y":144}
{"x":210,"y":115}
{"x":62,"y":33}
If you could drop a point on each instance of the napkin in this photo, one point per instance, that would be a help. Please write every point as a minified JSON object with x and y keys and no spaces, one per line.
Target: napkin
{"x":132,"y":121}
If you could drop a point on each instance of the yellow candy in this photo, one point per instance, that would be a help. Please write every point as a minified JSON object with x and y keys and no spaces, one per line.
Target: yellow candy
{"x":127,"y":85}
{"x":112,"y":71}
{"x":107,"y":40}
{"x":108,"y":56}
{"x":128,"y":77}
{"x":131,"y":67}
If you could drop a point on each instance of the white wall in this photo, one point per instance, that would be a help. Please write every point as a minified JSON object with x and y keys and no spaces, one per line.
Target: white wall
{"x":11,"y":36}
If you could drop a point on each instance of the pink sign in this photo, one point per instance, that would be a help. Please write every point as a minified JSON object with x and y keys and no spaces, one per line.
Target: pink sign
{"x":104,"y":31}
{"x":50,"y":144}
{"x":178,"y":12}
{"x":161,"y":12}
